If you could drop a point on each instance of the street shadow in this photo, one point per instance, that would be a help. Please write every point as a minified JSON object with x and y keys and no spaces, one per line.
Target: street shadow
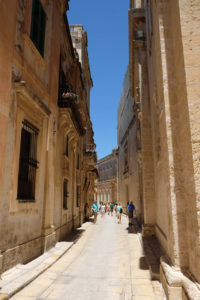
{"x":91,"y":220}
{"x":75,"y":235}
{"x":152,"y":253}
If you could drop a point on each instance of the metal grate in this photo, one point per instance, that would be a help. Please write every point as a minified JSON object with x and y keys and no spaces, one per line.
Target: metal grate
{"x":65,"y":193}
{"x":78,"y":196}
{"x":27,"y":163}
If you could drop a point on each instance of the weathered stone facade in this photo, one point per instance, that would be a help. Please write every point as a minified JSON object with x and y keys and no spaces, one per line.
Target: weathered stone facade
{"x":106,"y":189}
{"x":45,"y":130}
{"x":164,"y":83}
{"x":129,"y":148}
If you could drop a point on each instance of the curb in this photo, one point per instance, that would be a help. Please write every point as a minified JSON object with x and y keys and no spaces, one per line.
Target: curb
{"x":20,"y":285}
{"x":3,"y":297}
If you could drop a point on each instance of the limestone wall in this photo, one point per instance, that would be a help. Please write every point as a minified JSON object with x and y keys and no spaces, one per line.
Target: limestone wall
{"x":29,"y":92}
{"x":173,"y":85}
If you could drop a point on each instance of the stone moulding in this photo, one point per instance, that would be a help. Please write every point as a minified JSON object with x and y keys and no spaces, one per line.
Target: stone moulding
{"x":175,"y":283}
{"x":77,"y":115}
{"x":24,"y":89}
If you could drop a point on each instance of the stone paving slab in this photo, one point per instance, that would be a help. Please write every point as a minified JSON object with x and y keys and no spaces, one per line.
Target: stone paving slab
{"x":20,"y":276}
{"x":106,"y":263}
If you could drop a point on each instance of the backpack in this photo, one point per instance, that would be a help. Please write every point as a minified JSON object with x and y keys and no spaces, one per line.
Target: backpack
{"x":120,"y":210}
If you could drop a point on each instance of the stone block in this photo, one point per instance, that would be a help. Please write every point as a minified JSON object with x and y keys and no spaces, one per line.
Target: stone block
{"x":49,"y":241}
{"x":172,"y":291}
{"x":148,"y":230}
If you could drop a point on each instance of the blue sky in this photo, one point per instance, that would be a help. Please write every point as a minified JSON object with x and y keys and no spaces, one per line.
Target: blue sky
{"x":106,"y":23}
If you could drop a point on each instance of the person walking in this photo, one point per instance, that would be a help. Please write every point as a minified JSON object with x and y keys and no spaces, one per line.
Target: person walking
{"x":119,"y":212}
{"x":102,"y":210}
{"x":115,"y":209}
{"x":131,"y":208}
{"x":111,"y":208}
{"x":95,"y":210}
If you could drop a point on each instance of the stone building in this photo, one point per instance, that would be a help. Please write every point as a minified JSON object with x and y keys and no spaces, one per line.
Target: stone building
{"x":129,"y":187}
{"x":45,"y":129}
{"x":164,"y":83}
{"x":106,"y":185}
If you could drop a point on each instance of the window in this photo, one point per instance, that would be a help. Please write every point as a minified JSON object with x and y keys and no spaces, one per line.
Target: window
{"x":78,"y":195}
{"x":27,"y":163}
{"x":66,"y":145}
{"x":78,"y":162}
{"x":38,"y":21}
{"x":65,"y":193}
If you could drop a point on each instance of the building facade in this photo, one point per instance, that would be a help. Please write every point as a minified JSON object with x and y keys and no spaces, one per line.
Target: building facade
{"x":164,"y":83}
{"x":106,"y":186}
{"x":45,"y":127}
{"x":129,"y":148}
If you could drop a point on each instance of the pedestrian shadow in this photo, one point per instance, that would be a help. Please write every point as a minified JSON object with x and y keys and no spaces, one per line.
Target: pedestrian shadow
{"x":134,"y":228}
{"x":143,"y":263}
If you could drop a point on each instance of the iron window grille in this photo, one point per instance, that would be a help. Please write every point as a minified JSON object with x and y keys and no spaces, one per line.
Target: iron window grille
{"x":28,"y":163}
{"x":78,"y":196}
{"x":38,"y":24}
{"x":78,"y":162}
{"x":65,"y":193}
{"x":66,"y":145}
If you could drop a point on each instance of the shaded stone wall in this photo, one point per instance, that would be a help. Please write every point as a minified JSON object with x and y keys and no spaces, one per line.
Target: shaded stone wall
{"x":30,"y":92}
{"x":164,"y":66}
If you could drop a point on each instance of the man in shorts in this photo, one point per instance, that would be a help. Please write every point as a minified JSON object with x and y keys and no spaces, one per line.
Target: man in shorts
{"x":131,"y":208}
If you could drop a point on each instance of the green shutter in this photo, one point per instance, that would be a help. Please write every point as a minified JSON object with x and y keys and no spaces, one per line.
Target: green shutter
{"x":38,"y":23}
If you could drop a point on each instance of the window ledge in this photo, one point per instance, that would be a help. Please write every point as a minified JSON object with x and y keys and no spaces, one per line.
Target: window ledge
{"x":30,"y":208}
{"x":37,"y":54}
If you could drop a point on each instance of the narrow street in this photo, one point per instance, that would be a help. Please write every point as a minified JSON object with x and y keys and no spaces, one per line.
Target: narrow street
{"x":106,"y":262}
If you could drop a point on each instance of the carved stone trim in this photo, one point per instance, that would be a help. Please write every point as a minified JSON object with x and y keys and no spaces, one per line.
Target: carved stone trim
{"x":30,"y":44}
{"x":22,"y":4}
{"x":23,"y":88}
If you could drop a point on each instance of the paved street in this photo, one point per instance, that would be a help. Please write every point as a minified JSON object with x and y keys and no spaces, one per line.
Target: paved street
{"x":105,"y":263}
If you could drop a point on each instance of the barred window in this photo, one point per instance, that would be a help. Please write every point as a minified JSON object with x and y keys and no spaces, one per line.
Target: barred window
{"x":38,"y":22}
{"x":67,"y":145}
{"x":78,"y":162}
{"x":78,"y":195}
{"x":28,"y":163}
{"x":65,"y":193}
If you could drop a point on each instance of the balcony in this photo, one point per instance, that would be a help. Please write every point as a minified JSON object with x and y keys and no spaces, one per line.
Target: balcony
{"x":90,"y":152}
{"x":90,"y":148}
{"x":67,"y":99}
